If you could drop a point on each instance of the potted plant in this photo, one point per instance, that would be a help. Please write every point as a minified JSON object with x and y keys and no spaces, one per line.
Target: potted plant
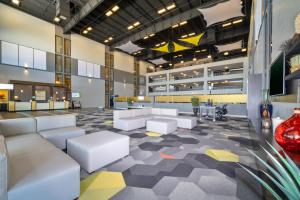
{"x":195,"y":104}
{"x":130,"y":101}
{"x":281,"y":171}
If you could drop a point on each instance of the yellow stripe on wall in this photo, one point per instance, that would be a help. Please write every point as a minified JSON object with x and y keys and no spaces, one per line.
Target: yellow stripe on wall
{"x":228,"y":98}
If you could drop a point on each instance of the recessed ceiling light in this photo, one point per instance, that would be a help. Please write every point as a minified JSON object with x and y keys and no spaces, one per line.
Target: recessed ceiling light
{"x":161,"y":11}
{"x":244,"y":50}
{"x":146,"y":37}
{"x":115,"y":8}
{"x":176,"y":25}
{"x":194,"y":59}
{"x":56,"y":19}
{"x":198,"y":51}
{"x":130,"y":27}
{"x":237,"y":21}
{"x":170,"y":64}
{"x":85,"y":32}
{"x":151,"y":35}
{"x":171,"y":6}
{"x":184,"y":36}
{"x":63,"y":17}
{"x":183,"y":23}
{"x":106,"y":41}
{"x":203,"y":50}
{"x":136,"y":23}
{"x":157,"y":45}
{"x":226,"y":67}
{"x":110,"y":38}
{"x":226,"y":54}
{"x":209,"y":56}
{"x":109,"y":13}
{"x":160,"y":66}
{"x":182,"y":61}
{"x":163,"y":43}
{"x":16,"y":2}
{"x":191,"y":34}
{"x":89,"y":28}
{"x":227,"y":24}
{"x":175,"y":56}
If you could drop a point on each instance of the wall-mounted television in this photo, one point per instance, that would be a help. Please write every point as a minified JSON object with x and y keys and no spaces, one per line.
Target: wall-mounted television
{"x":277,"y":76}
{"x":75,"y":95}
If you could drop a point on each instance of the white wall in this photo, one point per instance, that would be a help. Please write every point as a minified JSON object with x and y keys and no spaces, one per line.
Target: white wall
{"x":123,"y":61}
{"x":283,"y":22}
{"x":91,"y":90}
{"x":123,"y":89}
{"x":85,"y":49}
{"x":143,"y":67}
{"x":21,"y":28}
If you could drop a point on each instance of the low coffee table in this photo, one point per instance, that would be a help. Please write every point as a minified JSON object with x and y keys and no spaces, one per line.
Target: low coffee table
{"x":160,"y":125}
{"x":96,"y":150}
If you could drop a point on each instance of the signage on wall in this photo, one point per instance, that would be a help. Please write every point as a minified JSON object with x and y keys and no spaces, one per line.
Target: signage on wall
{"x":4,"y":86}
{"x":75,"y":95}
{"x":40,"y":95}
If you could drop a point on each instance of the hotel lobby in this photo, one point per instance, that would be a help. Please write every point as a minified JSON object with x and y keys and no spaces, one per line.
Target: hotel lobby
{"x":158,"y":100}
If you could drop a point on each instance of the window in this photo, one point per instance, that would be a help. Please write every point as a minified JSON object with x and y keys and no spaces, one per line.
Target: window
{"x":58,"y":63}
{"x":59,"y":45}
{"x":67,"y":65}
{"x":58,"y":79}
{"x":67,"y":47}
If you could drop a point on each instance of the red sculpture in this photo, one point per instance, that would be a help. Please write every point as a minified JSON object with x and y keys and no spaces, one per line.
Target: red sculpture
{"x":287,"y":134}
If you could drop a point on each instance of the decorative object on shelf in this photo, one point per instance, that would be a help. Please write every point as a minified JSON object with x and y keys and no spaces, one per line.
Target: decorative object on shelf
{"x":266,"y":123}
{"x":297,"y":24}
{"x":266,"y":108}
{"x":287,"y":134}
{"x":295,"y":63}
{"x":130,"y":101}
{"x":285,"y":175}
{"x":195,"y":104}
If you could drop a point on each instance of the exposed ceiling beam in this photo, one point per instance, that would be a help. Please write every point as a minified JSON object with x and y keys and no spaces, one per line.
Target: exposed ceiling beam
{"x":159,"y":26}
{"x":84,"y":11}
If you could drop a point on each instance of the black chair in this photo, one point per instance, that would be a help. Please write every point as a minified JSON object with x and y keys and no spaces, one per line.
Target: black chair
{"x":221,"y":112}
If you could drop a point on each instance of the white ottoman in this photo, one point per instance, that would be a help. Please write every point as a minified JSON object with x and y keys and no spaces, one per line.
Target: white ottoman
{"x":96,"y":150}
{"x":163,"y":126}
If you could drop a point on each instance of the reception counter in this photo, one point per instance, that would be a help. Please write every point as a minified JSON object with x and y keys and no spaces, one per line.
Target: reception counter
{"x":33,"y":105}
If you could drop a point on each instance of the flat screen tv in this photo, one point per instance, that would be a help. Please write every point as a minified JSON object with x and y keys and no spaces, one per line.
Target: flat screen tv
{"x":277,"y":76}
{"x":75,"y":95}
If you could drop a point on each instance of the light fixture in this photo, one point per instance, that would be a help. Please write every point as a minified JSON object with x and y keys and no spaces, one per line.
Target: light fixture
{"x":63,"y":17}
{"x":244,"y":50}
{"x":16,"y":2}
{"x":183,"y":23}
{"x":57,"y":19}
{"x":227,"y":24}
{"x":226,"y":53}
{"x":4,"y":86}
{"x":136,"y":23}
{"x":106,"y":41}
{"x":170,"y":64}
{"x":182,"y":61}
{"x":115,"y":8}
{"x":176,"y":25}
{"x":146,"y":37}
{"x":237,"y":21}
{"x":191,"y":34}
{"x":110,"y":38}
{"x":160,"y":66}
{"x":130,"y":27}
{"x":209,"y":56}
{"x":89,"y":28}
{"x":203,"y":50}
{"x":157,"y":45}
{"x":85,"y":32}
{"x":198,"y":51}
{"x":194,"y":59}
{"x":163,"y":43}
{"x":184,"y":36}
{"x":170,"y":7}
{"x":151,"y":35}
{"x":109,"y":13}
{"x":161,"y":11}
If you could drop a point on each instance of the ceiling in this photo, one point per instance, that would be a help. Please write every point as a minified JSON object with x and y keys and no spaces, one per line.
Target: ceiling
{"x":150,"y":21}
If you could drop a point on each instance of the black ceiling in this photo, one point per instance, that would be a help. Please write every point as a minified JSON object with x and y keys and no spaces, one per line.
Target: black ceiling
{"x":145,"y":11}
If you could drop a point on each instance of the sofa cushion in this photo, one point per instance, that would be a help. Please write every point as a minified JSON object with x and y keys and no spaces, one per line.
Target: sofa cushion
{"x":59,"y":136}
{"x":43,"y":175}
{"x":26,"y":144}
{"x":55,"y":121}
{"x":19,"y":126}
{"x":167,"y":111}
{"x":123,"y":114}
{"x":155,"y":111}
{"x":3,"y":169}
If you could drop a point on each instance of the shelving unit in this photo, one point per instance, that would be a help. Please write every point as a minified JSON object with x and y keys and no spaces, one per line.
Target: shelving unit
{"x":293,"y":50}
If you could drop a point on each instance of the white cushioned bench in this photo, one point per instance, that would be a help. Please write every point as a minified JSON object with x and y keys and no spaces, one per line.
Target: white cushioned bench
{"x":96,"y":150}
{"x":163,"y":126}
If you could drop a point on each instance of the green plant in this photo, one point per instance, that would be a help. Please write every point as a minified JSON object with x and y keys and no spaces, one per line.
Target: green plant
{"x":195,"y":101}
{"x":285,"y":175}
{"x":130,"y":100}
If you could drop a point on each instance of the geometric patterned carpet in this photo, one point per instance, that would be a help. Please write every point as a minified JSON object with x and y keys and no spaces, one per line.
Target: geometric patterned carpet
{"x":185,"y":165}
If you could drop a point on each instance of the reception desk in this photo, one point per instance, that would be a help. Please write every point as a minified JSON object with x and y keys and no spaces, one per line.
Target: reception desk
{"x":33,"y":105}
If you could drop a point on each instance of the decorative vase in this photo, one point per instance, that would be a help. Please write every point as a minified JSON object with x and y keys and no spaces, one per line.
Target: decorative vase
{"x":266,"y":110}
{"x":287,"y":134}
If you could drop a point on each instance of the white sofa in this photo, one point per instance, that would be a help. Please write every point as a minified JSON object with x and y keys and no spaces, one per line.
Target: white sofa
{"x":136,"y":118}
{"x":31,"y":167}
{"x":58,"y":128}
